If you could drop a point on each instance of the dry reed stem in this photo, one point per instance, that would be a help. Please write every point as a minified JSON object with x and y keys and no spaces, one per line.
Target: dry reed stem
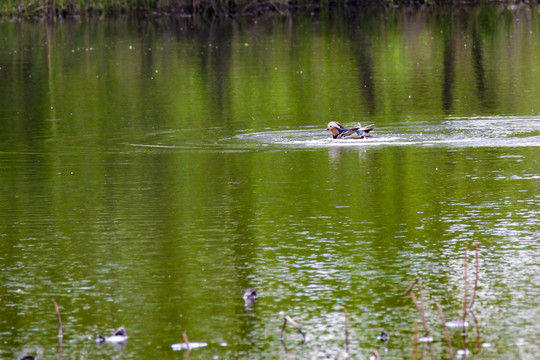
{"x":446,"y":332}
{"x":283,"y":328}
{"x":294,"y":323}
{"x":476,"y":277}
{"x":477,"y":329}
{"x":409,"y":289}
{"x":60,"y":326}
{"x":414,"y":355}
{"x":473,"y":297}
{"x":420,"y":309}
{"x":420,"y":312}
{"x":186,"y":340}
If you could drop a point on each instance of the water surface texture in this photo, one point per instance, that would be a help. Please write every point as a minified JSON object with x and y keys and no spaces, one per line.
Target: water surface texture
{"x":153,"y":170}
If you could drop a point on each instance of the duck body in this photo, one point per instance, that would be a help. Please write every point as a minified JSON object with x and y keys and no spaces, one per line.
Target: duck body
{"x":340,"y":132}
{"x":119,"y":337}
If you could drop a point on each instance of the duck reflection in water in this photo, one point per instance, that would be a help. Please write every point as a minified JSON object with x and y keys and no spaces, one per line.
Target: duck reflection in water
{"x":358,"y":132}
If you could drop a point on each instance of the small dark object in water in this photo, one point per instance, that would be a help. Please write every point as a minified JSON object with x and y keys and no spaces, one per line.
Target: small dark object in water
{"x":119,"y":336}
{"x":384,"y":337}
{"x":250,"y":295}
{"x":27,"y":357}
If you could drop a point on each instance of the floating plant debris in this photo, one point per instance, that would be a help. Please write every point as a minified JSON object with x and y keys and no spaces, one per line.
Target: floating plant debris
{"x":425,"y":339}
{"x":187,"y":345}
{"x":455,"y":324}
{"x":190,"y":346}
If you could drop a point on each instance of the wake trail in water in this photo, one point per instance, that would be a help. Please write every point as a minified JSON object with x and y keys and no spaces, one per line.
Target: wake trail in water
{"x":452,"y":132}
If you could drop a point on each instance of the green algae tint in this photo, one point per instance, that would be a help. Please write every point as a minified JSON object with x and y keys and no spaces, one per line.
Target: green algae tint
{"x":152,"y":171}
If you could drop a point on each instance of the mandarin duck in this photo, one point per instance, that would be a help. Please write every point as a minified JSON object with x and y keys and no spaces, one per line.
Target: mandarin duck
{"x":339,"y":132}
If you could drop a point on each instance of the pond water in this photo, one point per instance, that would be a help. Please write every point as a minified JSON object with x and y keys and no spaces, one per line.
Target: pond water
{"x":152,"y":170}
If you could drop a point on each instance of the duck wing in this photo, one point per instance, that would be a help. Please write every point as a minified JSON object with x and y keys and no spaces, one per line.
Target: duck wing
{"x":356,"y":132}
{"x":366,"y":128}
{"x":348,"y":133}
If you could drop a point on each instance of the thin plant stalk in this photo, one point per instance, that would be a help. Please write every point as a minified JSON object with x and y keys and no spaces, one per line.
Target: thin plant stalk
{"x":414,"y":355}
{"x":411,"y":286}
{"x":420,"y":309}
{"x":476,"y":277}
{"x":60,"y":326}
{"x":446,"y":332}
{"x":417,"y":305}
{"x":186,"y":340}
{"x":289,"y":319}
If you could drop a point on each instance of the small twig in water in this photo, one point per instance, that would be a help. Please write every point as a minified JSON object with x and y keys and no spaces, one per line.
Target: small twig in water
{"x":420,"y":309}
{"x":446,"y":332}
{"x":293,"y":323}
{"x":477,"y":328}
{"x":417,"y":305}
{"x":477,"y":266}
{"x":186,"y":340}
{"x":409,"y":289}
{"x":415,"y":342}
{"x":60,"y":327}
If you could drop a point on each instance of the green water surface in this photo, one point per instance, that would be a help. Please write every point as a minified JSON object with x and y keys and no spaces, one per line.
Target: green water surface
{"x":151,"y":170}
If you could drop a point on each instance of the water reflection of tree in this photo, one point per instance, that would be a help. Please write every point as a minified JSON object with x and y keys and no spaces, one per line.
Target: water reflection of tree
{"x":364,"y":59}
{"x":448,"y":67}
{"x":478,"y":66}
{"x":482,"y":21}
{"x":363,"y":53}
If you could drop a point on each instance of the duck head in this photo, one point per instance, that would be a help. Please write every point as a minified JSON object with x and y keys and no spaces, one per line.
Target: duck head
{"x":250,"y":295}
{"x":335,"y":127}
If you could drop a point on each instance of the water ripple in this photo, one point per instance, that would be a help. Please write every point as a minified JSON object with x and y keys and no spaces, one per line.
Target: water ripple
{"x":452,"y":132}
